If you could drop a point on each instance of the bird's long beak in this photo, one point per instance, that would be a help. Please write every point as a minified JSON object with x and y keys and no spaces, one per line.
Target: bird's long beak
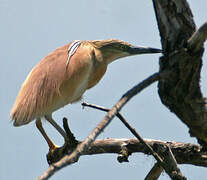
{"x":133,"y":50}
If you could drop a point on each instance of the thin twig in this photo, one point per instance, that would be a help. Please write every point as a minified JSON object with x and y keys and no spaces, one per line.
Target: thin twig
{"x":169,"y":164}
{"x":132,"y":130}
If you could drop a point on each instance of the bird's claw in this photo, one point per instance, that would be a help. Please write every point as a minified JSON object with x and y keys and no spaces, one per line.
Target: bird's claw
{"x":56,"y":153}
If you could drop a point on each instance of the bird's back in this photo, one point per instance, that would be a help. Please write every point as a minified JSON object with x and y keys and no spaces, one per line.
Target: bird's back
{"x":52,"y":84}
{"x":63,"y":76}
{"x":40,"y":89}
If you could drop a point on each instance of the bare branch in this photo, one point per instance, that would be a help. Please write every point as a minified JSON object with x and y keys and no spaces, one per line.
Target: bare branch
{"x":168,"y":161}
{"x":171,"y":159}
{"x":155,"y":172}
{"x":184,"y":153}
{"x":132,"y":130}
{"x":73,"y":142}
{"x":81,"y":148}
{"x":195,"y":43}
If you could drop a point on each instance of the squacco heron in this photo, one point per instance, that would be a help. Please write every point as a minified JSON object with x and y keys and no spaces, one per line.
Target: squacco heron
{"x":63,"y":76}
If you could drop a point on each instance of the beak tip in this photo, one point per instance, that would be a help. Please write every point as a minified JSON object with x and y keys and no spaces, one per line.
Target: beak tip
{"x":156,"y":50}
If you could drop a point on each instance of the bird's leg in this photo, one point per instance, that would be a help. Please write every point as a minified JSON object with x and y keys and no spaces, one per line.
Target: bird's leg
{"x":57,"y":127}
{"x":51,"y":145}
{"x":58,"y":153}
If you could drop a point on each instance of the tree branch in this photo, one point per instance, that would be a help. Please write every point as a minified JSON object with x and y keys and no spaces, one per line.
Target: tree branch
{"x":184,"y":153}
{"x":155,"y":172}
{"x":195,"y":43}
{"x":180,"y":91}
{"x":167,"y":160}
{"x":170,"y":162}
{"x":82,"y":147}
{"x":132,"y":130}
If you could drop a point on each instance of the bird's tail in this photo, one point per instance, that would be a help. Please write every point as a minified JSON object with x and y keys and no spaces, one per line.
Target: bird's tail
{"x":20,"y":113}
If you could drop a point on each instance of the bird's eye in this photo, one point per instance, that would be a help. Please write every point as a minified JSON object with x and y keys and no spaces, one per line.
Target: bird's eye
{"x":123,"y":47}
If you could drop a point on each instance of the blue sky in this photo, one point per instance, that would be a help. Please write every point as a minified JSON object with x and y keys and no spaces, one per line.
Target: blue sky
{"x":32,"y":29}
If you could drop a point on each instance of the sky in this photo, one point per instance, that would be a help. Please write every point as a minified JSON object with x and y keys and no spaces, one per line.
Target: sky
{"x":31,"y":29}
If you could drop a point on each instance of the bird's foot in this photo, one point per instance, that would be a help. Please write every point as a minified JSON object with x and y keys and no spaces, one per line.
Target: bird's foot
{"x":56,"y":153}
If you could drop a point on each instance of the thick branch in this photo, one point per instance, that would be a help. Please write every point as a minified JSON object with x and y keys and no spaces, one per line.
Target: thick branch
{"x":184,"y":153}
{"x":195,"y":43}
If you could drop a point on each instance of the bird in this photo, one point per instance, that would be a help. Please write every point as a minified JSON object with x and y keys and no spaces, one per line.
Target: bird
{"x":62,"y":77}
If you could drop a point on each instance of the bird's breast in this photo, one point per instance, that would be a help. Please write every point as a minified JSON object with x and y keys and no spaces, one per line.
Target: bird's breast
{"x":79,"y":91}
{"x":77,"y":76}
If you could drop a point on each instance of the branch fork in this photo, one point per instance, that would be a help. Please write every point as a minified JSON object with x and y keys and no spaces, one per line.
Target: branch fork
{"x":177,"y":31}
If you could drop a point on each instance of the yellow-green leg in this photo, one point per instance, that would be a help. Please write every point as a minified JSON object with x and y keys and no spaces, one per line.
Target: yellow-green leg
{"x":51,"y":145}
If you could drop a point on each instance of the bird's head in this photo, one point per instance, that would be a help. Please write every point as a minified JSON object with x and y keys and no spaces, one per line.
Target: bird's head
{"x":113,"y":49}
